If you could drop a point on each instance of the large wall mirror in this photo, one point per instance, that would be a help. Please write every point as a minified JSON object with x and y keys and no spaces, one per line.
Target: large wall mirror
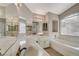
{"x":45,"y":27}
{"x":29,"y":29}
{"x":12,"y":28}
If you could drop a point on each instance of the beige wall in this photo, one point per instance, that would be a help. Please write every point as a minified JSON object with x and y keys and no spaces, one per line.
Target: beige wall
{"x":22,"y":11}
{"x":27,"y":14}
{"x":11,"y":10}
{"x":2,"y":12}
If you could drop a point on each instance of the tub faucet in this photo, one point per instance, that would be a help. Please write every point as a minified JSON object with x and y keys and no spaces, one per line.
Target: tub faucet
{"x":20,"y":50}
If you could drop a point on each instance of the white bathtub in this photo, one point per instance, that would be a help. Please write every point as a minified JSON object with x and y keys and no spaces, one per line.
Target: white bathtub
{"x":64,"y":47}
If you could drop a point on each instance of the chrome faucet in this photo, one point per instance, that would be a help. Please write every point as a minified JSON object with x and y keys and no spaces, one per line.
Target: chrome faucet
{"x":20,"y":50}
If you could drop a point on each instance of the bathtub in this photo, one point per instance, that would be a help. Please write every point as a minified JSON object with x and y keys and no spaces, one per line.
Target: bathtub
{"x":65,"y":47}
{"x":35,"y":50}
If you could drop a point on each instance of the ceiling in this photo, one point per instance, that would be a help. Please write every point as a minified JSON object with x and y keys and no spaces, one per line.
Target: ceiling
{"x":43,"y":8}
{"x":4,"y":4}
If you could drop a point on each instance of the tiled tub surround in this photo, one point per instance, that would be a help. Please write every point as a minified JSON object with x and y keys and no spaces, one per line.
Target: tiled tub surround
{"x":66,"y":45}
